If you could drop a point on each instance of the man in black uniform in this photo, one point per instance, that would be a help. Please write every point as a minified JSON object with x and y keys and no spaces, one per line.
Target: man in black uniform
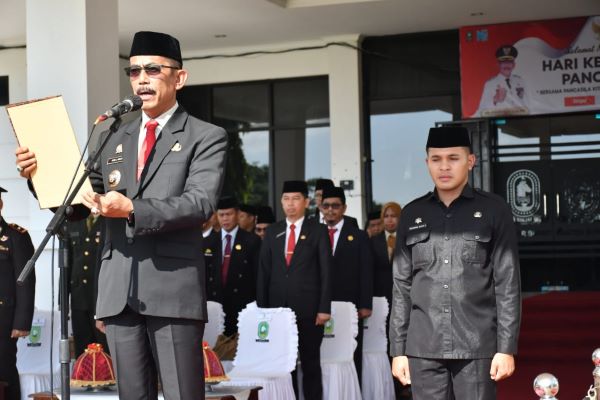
{"x":85,"y":239}
{"x":352,"y":266}
{"x":247,"y":217}
{"x":456,"y":298}
{"x":231,"y":258}
{"x":16,"y":301}
{"x":264,"y":218}
{"x":294,"y":271}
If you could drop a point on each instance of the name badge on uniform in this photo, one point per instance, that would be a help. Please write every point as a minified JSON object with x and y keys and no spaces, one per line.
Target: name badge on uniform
{"x":3,"y":248}
{"x":114,"y":160}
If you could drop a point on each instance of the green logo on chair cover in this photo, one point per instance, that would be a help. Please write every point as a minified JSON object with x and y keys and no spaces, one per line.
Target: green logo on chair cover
{"x":35,"y":335}
{"x":263,"y":331}
{"x":329,"y":328}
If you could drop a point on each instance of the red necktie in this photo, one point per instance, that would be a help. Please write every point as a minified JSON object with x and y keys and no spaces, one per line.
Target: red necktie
{"x":146,"y":146}
{"x":332,"y":232}
{"x":291,"y":245}
{"x":226,"y":260}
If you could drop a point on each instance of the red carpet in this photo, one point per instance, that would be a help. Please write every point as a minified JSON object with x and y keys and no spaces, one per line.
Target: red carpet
{"x":559,"y":332}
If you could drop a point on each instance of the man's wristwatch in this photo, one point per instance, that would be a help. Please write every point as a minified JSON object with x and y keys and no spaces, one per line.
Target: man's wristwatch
{"x":131,"y":218}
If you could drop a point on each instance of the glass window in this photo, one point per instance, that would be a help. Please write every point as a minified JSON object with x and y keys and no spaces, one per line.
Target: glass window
{"x":575,"y":146}
{"x":241,"y":107}
{"x":317,"y":153}
{"x":398,"y":143}
{"x":514,"y":150}
{"x":247,"y":173}
{"x":301,"y":102}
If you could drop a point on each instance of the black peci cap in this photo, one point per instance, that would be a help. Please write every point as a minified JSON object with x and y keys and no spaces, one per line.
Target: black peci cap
{"x":265,"y":215}
{"x":321,"y":184}
{"x":227,"y":203}
{"x":334,"y":191}
{"x":374,"y":215}
{"x":448,"y":136}
{"x":295,"y":187}
{"x":155,"y":44}
{"x":247,"y":208}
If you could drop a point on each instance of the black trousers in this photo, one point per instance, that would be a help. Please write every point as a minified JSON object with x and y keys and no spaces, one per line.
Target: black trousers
{"x":85,"y":332}
{"x":358,"y":352}
{"x":310,"y":337}
{"x":8,"y":364}
{"x":440,"y":379}
{"x":143,"y":345}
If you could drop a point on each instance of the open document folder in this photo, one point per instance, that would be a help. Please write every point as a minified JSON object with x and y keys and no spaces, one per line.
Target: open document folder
{"x":43,"y":126}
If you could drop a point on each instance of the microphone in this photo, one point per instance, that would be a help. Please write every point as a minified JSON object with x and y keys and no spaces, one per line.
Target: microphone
{"x":129,"y":103}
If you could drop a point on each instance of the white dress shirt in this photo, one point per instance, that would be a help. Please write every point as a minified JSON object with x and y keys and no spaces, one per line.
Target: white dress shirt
{"x":336,"y":235}
{"x":162,"y":121}
{"x":224,"y":233}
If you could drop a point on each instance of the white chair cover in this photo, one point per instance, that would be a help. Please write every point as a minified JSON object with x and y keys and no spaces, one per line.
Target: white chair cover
{"x":377,"y":380}
{"x":267,"y":351}
{"x":33,"y":354}
{"x":216,"y":323}
{"x":340,"y":380}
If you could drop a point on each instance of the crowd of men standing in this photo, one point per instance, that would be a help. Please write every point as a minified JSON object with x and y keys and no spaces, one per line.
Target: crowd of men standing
{"x":304,"y":262}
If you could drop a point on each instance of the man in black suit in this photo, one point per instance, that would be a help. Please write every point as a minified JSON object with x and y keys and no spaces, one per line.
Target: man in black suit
{"x":264,"y":218}
{"x":231,"y":258}
{"x":294,"y":271}
{"x":320,"y":185}
{"x":352,"y":263}
{"x":383,"y":249}
{"x":158,"y":179}
{"x":84,"y":242}
{"x":16,"y":301}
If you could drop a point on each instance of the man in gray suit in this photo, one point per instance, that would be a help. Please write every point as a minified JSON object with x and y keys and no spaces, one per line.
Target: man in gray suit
{"x":159,"y":179}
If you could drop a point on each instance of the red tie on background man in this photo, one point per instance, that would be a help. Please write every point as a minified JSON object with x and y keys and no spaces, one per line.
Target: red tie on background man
{"x":146,"y":146}
{"x":291,"y":245}
{"x":226,"y":260}
{"x":332,"y":232}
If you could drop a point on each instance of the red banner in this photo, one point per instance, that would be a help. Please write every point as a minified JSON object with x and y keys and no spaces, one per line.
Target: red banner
{"x":530,"y":67}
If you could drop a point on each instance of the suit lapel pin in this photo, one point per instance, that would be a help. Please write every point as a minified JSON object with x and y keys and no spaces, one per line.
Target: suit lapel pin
{"x":350,"y":238}
{"x":119,"y":148}
{"x":208,"y":251}
{"x":418,"y":221}
{"x":477,"y":214}
{"x":4,"y":238}
{"x":176,"y":147}
{"x":302,"y":237}
{"x":238,"y":246}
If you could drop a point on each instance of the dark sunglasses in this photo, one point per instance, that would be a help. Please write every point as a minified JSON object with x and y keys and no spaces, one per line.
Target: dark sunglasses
{"x":152,"y":69}
{"x":335,"y":206}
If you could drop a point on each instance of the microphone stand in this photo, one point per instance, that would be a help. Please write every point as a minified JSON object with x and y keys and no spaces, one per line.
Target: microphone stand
{"x":57,"y":226}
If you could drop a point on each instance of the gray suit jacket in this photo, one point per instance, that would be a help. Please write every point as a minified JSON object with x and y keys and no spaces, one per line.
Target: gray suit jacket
{"x":156,"y":266}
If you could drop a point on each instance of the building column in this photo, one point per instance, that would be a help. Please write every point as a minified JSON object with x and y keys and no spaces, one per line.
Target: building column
{"x":72,"y":50}
{"x":345,"y":111}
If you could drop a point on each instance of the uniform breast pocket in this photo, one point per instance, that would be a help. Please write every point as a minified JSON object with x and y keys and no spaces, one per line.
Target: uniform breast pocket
{"x":476,"y":245}
{"x":418,"y":243}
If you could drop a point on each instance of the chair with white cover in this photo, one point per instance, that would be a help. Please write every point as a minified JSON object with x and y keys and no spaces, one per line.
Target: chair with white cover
{"x":267,"y":352}
{"x":216,"y":323}
{"x":33,"y":354}
{"x":340,"y":380}
{"x":377,"y":380}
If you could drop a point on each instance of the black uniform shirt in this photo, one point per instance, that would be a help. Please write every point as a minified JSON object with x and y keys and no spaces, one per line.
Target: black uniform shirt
{"x":16,"y":301}
{"x":456,"y":279}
